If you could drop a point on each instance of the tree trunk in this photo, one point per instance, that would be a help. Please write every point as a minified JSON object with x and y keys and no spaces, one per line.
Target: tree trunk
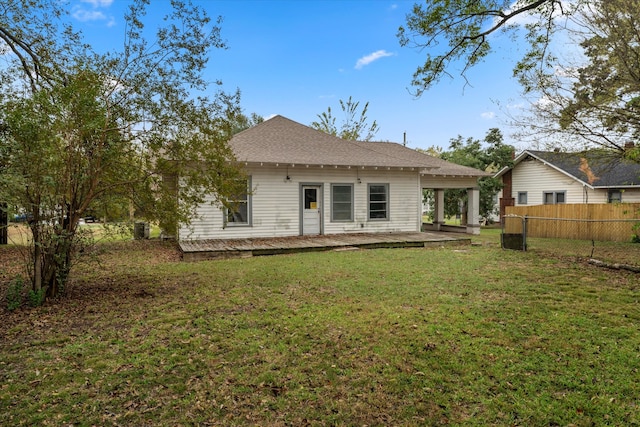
{"x":37,"y":256}
{"x":4,"y":224}
{"x":52,"y":255}
{"x":57,"y":263}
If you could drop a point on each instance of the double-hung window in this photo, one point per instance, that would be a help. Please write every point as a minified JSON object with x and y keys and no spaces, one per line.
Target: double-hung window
{"x":553,"y":197}
{"x":341,"y":202}
{"x":378,"y":201}
{"x":239,"y":210}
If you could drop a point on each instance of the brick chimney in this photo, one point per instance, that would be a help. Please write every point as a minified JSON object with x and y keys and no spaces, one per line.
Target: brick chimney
{"x":507,"y":193}
{"x":507,"y":190}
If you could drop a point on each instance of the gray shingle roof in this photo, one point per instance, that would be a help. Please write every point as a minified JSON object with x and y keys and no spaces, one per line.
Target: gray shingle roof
{"x":608,"y":169}
{"x":283,"y":141}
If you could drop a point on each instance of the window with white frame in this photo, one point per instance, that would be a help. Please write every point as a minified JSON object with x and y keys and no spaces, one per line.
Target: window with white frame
{"x":522,"y":197}
{"x":239,"y":211}
{"x":341,"y":202}
{"x":553,"y":197}
{"x":378,"y":201}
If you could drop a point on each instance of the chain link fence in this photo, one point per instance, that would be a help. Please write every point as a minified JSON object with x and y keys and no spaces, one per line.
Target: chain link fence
{"x":614,"y":242}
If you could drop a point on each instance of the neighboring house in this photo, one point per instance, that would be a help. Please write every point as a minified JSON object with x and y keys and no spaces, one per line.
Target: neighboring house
{"x":543,"y":177}
{"x":306,"y":182}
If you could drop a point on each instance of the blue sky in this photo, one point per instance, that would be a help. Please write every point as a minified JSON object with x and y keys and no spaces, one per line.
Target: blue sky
{"x":296,"y":58}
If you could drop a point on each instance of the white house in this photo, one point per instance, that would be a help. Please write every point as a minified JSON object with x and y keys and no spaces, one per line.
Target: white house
{"x":306,"y":182}
{"x":595,"y":176}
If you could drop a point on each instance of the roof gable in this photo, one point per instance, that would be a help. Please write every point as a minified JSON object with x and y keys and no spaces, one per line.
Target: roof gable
{"x":594,"y":168}
{"x":281,"y":140}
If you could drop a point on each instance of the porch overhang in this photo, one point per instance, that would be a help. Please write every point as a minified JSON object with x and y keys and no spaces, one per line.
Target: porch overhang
{"x":440,"y":182}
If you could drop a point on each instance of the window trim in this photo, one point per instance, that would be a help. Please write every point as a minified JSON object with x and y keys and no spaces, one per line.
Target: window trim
{"x":610,"y":192}
{"x":523,"y":195}
{"x":387,"y":202}
{"x":554,"y":196}
{"x":248,"y":201}
{"x":351,"y":202}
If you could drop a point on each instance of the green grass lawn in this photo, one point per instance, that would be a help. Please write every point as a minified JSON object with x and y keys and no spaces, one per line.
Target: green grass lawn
{"x":468,"y":335}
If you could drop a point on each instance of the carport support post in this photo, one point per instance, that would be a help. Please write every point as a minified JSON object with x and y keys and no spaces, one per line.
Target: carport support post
{"x":473,"y":211}
{"x":438,"y":214}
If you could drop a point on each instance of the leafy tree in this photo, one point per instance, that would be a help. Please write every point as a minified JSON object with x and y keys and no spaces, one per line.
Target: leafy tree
{"x":608,"y":86}
{"x":354,"y":127}
{"x":434,"y":150}
{"x":465,"y":28}
{"x":84,"y":129}
{"x":600,"y":99}
{"x":242,"y":122}
{"x":580,"y":100}
{"x":491,"y":156}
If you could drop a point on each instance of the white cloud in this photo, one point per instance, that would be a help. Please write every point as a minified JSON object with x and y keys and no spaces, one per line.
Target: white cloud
{"x":488,"y":115}
{"x":368,"y":59}
{"x":92,"y":10}
{"x":516,"y":106}
{"x":84,"y":15}
{"x":544,"y":102}
{"x":98,"y":3}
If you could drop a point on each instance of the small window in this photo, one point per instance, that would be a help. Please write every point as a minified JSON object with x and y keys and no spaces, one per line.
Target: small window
{"x":522,"y":197}
{"x":239,"y":211}
{"x":341,"y":202}
{"x":311,"y":198}
{"x":614,"y":196}
{"x":547,"y":198}
{"x":553,"y":197}
{"x":378,"y":201}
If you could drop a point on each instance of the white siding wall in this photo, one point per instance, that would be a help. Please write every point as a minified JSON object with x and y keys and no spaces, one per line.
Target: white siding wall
{"x":275,"y":203}
{"x":535,"y":178}
{"x":631,"y":196}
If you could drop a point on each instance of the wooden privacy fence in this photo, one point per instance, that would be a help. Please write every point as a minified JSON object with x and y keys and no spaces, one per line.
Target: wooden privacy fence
{"x":602,"y":222}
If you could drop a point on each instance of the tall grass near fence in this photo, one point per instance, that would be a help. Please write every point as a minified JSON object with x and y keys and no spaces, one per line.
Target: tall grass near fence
{"x":614,"y":222}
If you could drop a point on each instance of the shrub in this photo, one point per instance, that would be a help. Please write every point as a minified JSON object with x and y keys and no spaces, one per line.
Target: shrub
{"x":36,"y":298}
{"x":635,"y":238}
{"x":14,"y":293}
